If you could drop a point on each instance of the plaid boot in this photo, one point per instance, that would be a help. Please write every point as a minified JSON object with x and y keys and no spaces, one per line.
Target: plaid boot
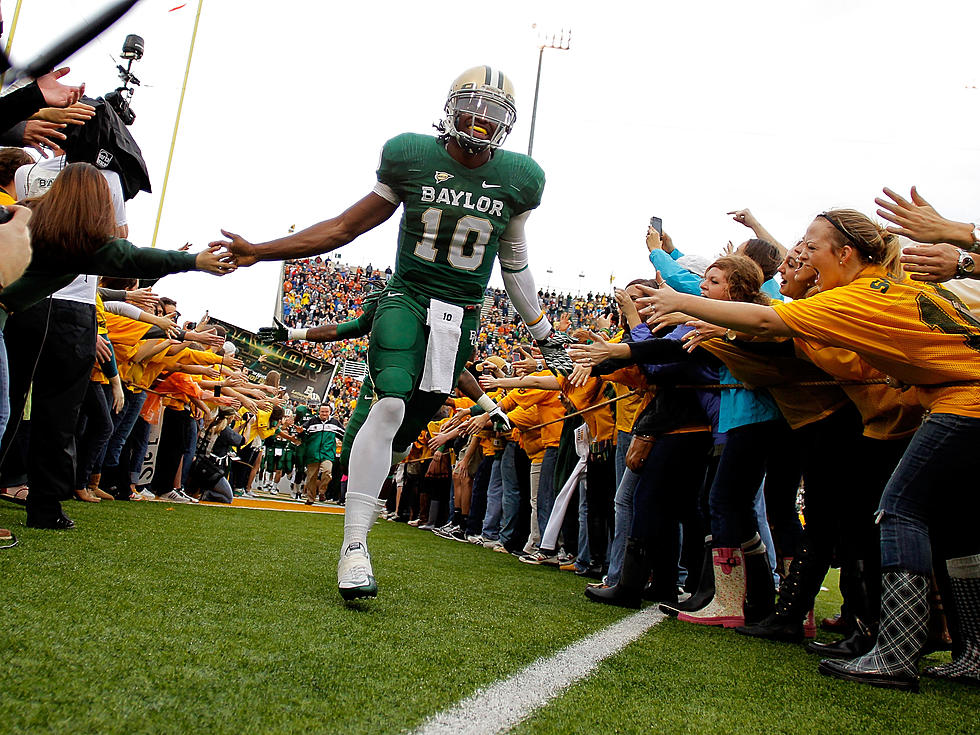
{"x":964,"y":577}
{"x":901,"y":636}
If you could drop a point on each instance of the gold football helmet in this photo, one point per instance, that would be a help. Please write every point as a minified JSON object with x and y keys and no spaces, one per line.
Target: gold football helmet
{"x":480,"y":110}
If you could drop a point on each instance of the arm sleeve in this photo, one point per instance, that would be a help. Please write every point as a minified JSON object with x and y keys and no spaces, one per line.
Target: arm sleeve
{"x":118,"y":257}
{"x":677,"y":277}
{"x":658,"y":351}
{"x":121,"y":308}
{"x":517,"y":277}
{"x":355,"y":327}
{"x":112,"y":294}
{"x":122,"y":258}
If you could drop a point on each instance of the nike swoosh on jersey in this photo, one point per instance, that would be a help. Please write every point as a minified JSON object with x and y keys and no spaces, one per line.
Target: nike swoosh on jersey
{"x":491,"y":186}
{"x":393,"y":293}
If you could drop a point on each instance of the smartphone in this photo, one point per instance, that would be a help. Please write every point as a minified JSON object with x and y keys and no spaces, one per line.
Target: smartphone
{"x":657,"y":224}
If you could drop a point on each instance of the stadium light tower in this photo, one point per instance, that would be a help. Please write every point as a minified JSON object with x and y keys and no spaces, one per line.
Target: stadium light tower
{"x":562,"y":42}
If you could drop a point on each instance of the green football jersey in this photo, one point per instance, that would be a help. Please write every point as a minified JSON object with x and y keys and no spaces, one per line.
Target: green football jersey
{"x":453,"y":215}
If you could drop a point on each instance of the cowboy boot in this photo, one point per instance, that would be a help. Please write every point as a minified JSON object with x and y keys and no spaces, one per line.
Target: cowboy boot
{"x":901,"y":636}
{"x":94,"y":489}
{"x":964,"y":577}
{"x":726,"y":608}
{"x":83,"y":493}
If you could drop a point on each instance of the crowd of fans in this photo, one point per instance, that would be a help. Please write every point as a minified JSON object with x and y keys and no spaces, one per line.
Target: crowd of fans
{"x":678,"y":461}
{"x":665,"y":461}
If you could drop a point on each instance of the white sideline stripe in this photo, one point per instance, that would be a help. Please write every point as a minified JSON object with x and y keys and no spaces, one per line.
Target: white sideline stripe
{"x":503,"y":705}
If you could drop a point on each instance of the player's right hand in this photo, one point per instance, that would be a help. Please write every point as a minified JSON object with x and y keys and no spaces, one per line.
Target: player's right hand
{"x":500,"y":420}
{"x":270,"y":335}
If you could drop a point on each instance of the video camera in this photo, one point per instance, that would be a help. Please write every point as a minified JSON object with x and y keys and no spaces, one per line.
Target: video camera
{"x":121,"y":97}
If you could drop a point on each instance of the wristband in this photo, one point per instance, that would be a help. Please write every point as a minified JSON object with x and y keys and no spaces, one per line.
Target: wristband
{"x":217,"y":391}
{"x":292,"y":334}
{"x":486,"y":403}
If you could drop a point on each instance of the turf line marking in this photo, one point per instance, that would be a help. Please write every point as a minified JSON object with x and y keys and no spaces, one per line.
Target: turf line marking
{"x":503,"y":705}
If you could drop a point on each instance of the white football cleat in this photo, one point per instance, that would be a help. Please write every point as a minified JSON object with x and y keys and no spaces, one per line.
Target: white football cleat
{"x":355,"y":577}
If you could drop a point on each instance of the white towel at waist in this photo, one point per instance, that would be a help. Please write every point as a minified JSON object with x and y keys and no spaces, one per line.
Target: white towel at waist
{"x":445,"y":325}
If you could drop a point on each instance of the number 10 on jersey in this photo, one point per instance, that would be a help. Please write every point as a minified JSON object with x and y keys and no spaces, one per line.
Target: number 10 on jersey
{"x":426,"y":247}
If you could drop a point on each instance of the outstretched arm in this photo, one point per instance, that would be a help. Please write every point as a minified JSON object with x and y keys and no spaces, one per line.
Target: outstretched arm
{"x":518,"y":280}
{"x":748,"y":318}
{"x":917,"y":219}
{"x":321,"y":238}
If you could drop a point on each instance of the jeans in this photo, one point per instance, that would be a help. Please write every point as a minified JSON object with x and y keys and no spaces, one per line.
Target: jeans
{"x":94,"y":430}
{"x":491,"y":522}
{"x":185,"y":468}
{"x":122,"y":425}
{"x":4,"y":387}
{"x":140,"y":440}
{"x":478,"y":498}
{"x":932,"y":489}
{"x":623,"y":439}
{"x":623,"y":505}
{"x":515,"y":472}
{"x":666,"y":499}
{"x":737,"y":481}
{"x":764,"y":533}
{"x":584,"y":559}
{"x":220,"y":493}
{"x":546,"y":488}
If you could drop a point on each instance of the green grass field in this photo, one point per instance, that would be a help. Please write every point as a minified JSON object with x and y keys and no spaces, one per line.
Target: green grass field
{"x":173,"y":619}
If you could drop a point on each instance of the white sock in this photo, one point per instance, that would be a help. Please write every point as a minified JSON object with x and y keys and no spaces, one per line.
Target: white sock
{"x":369,"y":463}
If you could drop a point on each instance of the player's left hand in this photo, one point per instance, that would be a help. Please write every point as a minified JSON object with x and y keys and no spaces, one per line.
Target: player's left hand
{"x":553,"y":352}
{"x":277,"y":333}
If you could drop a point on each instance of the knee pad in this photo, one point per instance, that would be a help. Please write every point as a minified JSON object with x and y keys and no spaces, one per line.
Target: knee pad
{"x":394,"y":382}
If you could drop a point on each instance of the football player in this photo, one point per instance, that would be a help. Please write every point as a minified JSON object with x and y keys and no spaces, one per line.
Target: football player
{"x":465,"y":202}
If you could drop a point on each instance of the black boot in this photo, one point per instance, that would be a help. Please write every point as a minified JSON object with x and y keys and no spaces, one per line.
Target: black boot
{"x":863,"y":601}
{"x":796,"y":594}
{"x":636,"y":571}
{"x":760,"y":590}
{"x":706,"y":587}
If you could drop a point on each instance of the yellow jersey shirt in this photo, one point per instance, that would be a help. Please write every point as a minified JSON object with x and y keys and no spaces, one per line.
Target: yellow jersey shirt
{"x":919,"y":333}
{"x":887,"y":413}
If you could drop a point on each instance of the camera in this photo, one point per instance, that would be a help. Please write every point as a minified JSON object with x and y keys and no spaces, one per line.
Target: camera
{"x":120,"y":98}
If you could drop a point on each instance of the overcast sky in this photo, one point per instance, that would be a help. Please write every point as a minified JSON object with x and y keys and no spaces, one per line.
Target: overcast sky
{"x":680,"y":110}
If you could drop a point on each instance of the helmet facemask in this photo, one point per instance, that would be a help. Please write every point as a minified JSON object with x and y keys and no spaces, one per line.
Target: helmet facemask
{"x":479,"y":119}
